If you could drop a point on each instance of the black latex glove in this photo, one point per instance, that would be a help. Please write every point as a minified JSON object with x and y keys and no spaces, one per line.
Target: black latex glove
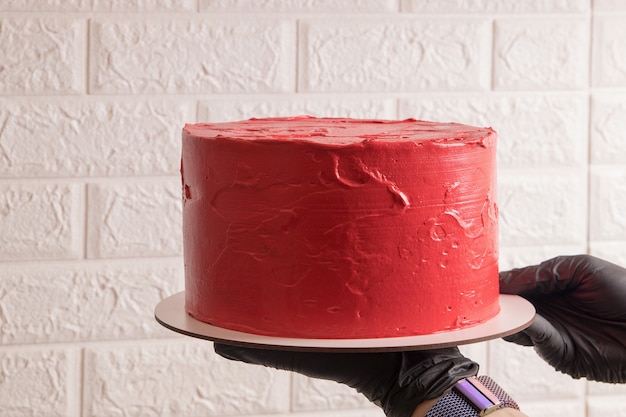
{"x":580,"y":328}
{"x":395,"y":381}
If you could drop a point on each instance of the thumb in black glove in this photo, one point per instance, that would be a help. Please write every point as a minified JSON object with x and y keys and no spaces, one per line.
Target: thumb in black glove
{"x":395,"y":381}
{"x":580,"y":327}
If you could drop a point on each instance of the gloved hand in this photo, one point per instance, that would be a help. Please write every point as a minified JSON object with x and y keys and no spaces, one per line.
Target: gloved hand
{"x":580,"y":328}
{"x":395,"y":381}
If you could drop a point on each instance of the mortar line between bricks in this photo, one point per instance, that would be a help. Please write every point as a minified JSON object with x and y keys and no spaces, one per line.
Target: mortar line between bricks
{"x":143,"y":97}
{"x":77,"y":387}
{"x":135,"y":260}
{"x":106,"y":343}
{"x":196,"y":13}
{"x":127,"y":178}
{"x":87,"y":85}
{"x":589,"y":128}
{"x":85,"y":225}
{"x":81,"y":388}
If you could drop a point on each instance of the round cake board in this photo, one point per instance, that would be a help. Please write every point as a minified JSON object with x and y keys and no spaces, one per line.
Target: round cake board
{"x":516,"y":314}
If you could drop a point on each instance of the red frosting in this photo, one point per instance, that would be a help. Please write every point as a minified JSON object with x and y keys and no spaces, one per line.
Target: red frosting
{"x":339,"y":228}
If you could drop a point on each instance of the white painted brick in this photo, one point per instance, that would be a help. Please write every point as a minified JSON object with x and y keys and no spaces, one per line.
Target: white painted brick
{"x":316,"y":394}
{"x":41,"y":221}
{"x":239,"y":109}
{"x":57,"y":302}
{"x":608,"y":199}
{"x":595,"y":388}
{"x":45,"y":5}
{"x":611,"y":251}
{"x":533,"y":130}
{"x":541,"y":53}
{"x":542,"y":207}
{"x":554,"y":408}
{"x":303,"y":6}
{"x":42,"y":55}
{"x":478,"y":352}
{"x":609,"y":51}
{"x":402,"y":55}
{"x":36,"y":382}
{"x":608,"y":130}
{"x":525,"y":376}
{"x":177,"y":379}
{"x":609,"y":5}
{"x":176,"y":55}
{"x":495,"y":6}
{"x":98,"y":5}
{"x":52,"y":138}
{"x":139,"y":218}
{"x":144,"y":5}
{"x":602,"y":406}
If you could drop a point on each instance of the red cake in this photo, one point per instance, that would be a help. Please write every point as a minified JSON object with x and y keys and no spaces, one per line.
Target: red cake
{"x":340,"y":228}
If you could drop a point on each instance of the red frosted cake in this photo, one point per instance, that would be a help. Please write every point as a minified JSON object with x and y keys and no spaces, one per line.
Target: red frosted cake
{"x":340,"y":228}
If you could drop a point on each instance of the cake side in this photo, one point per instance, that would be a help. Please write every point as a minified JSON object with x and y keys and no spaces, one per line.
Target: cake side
{"x":322,"y":235}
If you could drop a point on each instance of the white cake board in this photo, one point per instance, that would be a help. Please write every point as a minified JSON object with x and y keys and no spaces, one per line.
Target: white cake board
{"x":516,"y":314}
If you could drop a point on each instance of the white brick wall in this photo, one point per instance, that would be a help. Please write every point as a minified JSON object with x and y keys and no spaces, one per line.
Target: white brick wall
{"x":43,"y":54}
{"x":394,"y":54}
{"x":93,"y":95}
{"x":541,"y":53}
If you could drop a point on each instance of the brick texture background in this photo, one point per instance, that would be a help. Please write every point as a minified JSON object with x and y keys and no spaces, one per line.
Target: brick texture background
{"x":94,"y":93}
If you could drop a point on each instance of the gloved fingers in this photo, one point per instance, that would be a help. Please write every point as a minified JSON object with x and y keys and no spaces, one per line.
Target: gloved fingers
{"x":551,"y":344}
{"x":555,"y":275}
{"x":313,"y":364}
{"x":541,"y":334}
{"x":274,"y":359}
{"x":519,"y":338}
{"x":396,"y":381}
{"x":348,"y":368}
{"x":445,"y":374}
{"x":434,"y":369}
{"x":415,"y":362}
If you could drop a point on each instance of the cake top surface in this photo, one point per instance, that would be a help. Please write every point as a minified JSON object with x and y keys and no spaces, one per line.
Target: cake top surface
{"x":338,"y":131}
